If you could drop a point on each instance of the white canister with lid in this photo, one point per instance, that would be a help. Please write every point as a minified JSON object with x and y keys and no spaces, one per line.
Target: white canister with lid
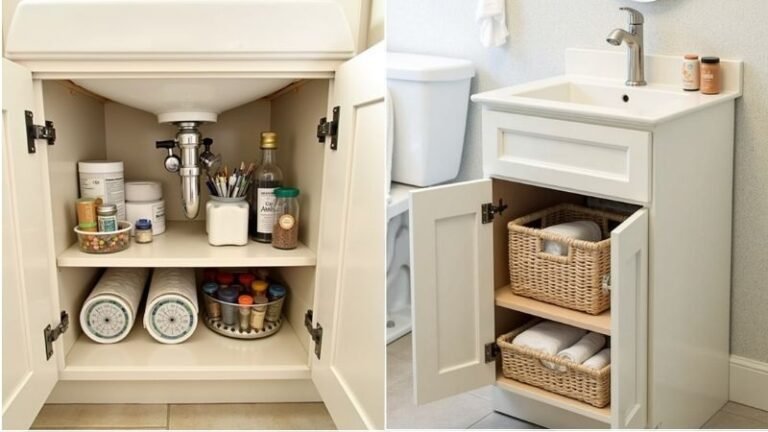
{"x":226,"y":221}
{"x":103,"y":180}
{"x":144,"y":200}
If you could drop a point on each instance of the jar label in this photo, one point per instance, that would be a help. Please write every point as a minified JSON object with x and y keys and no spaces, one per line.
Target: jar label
{"x":107,"y":223}
{"x":286,"y":221}
{"x":265,"y":203}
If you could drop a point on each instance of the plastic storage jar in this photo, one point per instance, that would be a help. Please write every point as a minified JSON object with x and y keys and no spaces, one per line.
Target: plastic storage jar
{"x":103,"y":180}
{"x":285,"y":231}
{"x":226,"y":221}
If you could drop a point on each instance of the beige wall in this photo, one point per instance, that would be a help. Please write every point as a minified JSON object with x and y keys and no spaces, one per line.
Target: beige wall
{"x":541,"y":30}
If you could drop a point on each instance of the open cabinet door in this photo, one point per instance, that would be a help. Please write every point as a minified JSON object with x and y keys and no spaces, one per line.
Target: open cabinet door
{"x":349,"y":301}
{"x":28,"y":376}
{"x":629,"y":322}
{"x":452,"y":289}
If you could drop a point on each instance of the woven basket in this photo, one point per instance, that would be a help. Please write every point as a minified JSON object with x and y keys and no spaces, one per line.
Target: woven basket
{"x":577,"y":281}
{"x":577,"y":382}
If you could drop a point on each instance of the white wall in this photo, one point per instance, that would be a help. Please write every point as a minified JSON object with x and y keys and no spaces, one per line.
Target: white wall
{"x":541,"y":30}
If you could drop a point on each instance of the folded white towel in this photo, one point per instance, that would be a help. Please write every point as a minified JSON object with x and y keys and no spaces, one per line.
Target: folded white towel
{"x":492,"y":16}
{"x":549,"y":337}
{"x":599,"y":360}
{"x":585,"y":348}
{"x":581,"y":230}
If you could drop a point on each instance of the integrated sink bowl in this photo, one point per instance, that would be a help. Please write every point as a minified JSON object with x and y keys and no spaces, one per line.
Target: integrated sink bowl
{"x":598,"y":100}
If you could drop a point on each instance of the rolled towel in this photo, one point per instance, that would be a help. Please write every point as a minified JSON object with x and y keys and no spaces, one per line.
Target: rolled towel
{"x":585,"y":348}
{"x":549,"y":337}
{"x":599,"y":360}
{"x":581,"y":230}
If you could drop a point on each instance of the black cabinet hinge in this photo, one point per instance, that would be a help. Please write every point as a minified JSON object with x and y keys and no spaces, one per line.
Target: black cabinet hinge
{"x":329,"y":129}
{"x":491,"y":352}
{"x":51,"y":334}
{"x":35,"y":132}
{"x":490,"y":210}
{"x":316,"y":333}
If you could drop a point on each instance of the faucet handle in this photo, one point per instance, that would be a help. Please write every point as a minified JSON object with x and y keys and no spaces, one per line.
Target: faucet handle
{"x":635,"y":17}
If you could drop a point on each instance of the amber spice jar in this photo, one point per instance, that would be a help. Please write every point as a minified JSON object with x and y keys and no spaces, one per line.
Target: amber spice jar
{"x":710,"y":75}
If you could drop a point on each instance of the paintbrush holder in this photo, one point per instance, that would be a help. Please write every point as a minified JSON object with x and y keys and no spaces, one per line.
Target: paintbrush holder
{"x":226,"y":221}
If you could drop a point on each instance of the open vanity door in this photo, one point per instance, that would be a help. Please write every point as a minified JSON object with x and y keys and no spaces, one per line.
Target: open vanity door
{"x":629,"y":323}
{"x":451,"y":289}
{"x":28,"y":376}
{"x":349,"y":300}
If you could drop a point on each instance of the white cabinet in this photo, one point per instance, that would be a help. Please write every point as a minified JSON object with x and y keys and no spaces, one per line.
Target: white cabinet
{"x":337,"y":271}
{"x":673,"y":180}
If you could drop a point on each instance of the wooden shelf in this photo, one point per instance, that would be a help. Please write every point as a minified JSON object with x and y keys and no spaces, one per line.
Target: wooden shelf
{"x":185,"y":244}
{"x":204,"y":356}
{"x":399,"y":199}
{"x":566,"y":403}
{"x":596,"y":323}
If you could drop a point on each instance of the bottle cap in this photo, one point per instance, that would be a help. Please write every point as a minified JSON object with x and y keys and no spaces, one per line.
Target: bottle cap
{"x":691,"y":56}
{"x":228,"y":294}
{"x":246,"y":279}
{"x":710,"y":60}
{"x":210,"y":288}
{"x":276,"y":291}
{"x":260,"y":299}
{"x":245,"y":300}
{"x":209,"y":275}
{"x":106,"y":209}
{"x":287,"y":192}
{"x":225,"y":278}
{"x":259,"y":286}
{"x":268,"y":140}
{"x":143,"y":224}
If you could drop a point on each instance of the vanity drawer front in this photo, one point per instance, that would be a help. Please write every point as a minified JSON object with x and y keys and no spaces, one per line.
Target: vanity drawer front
{"x":602,"y":160}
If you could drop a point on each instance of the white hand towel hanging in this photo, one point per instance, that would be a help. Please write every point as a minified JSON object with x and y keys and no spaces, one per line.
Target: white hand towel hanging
{"x":491,"y":15}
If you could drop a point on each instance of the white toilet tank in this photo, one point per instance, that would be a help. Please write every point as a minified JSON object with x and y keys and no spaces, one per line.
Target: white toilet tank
{"x":430,"y":97}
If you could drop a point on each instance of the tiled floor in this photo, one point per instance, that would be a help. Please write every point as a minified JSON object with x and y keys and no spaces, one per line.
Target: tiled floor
{"x":285,"y":416}
{"x":473,"y":410}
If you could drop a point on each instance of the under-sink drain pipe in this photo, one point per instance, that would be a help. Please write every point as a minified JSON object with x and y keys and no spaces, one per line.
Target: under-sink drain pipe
{"x":188,"y":140}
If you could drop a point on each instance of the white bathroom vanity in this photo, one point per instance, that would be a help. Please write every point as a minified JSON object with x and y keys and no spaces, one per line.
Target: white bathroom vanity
{"x":665,"y":155}
{"x":104,"y":72}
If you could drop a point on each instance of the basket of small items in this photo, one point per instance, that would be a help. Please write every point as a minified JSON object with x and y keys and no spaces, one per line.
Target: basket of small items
{"x":558,"y":358}
{"x":243,"y":305}
{"x":562,"y":255}
{"x":104,"y":242}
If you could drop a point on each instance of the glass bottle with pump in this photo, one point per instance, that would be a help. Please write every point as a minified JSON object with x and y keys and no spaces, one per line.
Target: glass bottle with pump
{"x":268,"y":177}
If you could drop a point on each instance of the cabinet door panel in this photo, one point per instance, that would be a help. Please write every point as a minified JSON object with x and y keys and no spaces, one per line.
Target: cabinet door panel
{"x":452,"y":289}
{"x":28,"y":377}
{"x":349,"y":302}
{"x":629,"y":323}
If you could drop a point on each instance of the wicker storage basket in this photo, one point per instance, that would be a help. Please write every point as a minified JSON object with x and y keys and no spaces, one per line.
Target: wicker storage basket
{"x":577,"y":382}
{"x":574,"y":281}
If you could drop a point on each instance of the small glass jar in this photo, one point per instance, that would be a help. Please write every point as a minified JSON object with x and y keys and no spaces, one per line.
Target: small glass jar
{"x":259,"y":288}
{"x":212,"y":307}
{"x":143,"y":231}
{"x":285,"y":232}
{"x":710,"y":75}
{"x":106,"y":217}
{"x":276,"y":296}
{"x":258,"y":312}
{"x":245,"y":301}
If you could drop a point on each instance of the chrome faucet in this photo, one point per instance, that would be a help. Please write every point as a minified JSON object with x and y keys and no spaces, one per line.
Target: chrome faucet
{"x":634,"y":41}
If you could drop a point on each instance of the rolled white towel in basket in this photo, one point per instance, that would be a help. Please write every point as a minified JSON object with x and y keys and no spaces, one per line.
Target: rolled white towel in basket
{"x":549,"y":337}
{"x":581,"y":230}
{"x":599,"y":360}
{"x":585,"y":348}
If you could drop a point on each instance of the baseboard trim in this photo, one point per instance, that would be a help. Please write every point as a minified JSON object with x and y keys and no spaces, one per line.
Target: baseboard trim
{"x":749,"y":382}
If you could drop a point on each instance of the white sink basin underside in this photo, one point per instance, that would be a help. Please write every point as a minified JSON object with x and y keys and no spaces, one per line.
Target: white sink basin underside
{"x":183,"y":99}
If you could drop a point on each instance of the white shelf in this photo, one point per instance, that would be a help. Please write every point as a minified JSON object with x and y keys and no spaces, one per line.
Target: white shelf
{"x":204,"y":356}
{"x":596,"y":323}
{"x":399,"y":199}
{"x":599,"y":414}
{"x":185,"y":244}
